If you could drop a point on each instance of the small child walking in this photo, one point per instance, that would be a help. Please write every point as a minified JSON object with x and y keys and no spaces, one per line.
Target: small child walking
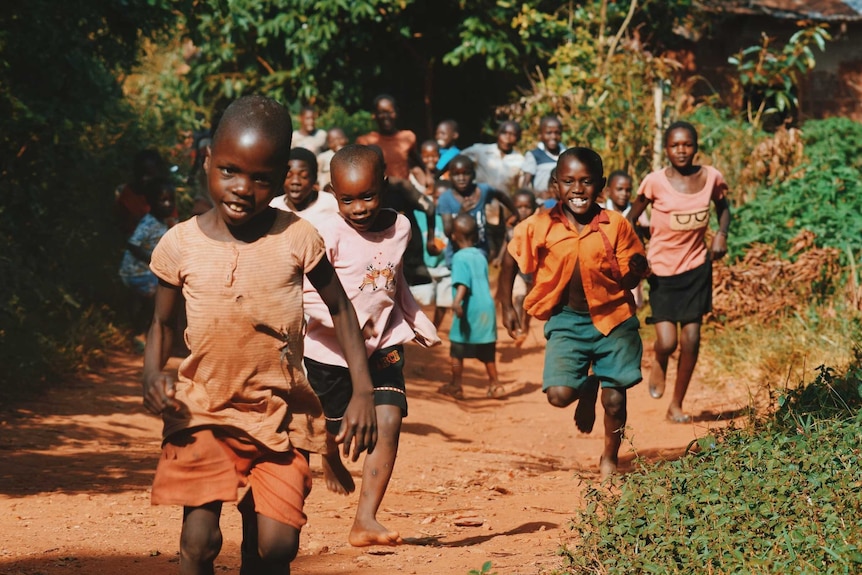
{"x":473,"y":333}
{"x":585,"y":260}
{"x":366,"y":246}
{"x":526,"y":205}
{"x":242,"y":412}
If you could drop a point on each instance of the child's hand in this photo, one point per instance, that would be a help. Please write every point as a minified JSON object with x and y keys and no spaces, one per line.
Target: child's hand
{"x":458,"y":309}
{"x":719,"y":246}
{"x":359,"y":426}
{"x":368,"y":330}
{"x":638,"y":264}
{"x":511,"y":321}
{"x":159,"y":392}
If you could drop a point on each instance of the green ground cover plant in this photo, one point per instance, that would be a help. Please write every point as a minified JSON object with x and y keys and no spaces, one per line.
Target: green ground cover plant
{"x":779,"y":496}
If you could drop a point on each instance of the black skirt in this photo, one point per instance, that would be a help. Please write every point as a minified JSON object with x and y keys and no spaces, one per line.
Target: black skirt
{"x":683,"y":298}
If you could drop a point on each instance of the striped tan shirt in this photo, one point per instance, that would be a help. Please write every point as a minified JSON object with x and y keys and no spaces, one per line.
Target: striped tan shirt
{"x":245,"y":320}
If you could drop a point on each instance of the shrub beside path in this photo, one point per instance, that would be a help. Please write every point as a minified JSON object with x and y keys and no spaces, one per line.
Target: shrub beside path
{"x":476,"y":480}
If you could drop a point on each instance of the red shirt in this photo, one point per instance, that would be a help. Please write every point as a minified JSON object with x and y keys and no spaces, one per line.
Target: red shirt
{"x":396,"y":148}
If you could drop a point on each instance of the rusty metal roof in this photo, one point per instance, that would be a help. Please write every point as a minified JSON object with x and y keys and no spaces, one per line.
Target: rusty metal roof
{"x":820,"y":10}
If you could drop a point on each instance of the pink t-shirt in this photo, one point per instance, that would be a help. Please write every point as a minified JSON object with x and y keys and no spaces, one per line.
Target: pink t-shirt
{"x":369,"y":265}
{"x":679,"y":221}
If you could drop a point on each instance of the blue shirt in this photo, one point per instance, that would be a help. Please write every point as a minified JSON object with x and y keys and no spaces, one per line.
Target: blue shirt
{"x":449,"y":204}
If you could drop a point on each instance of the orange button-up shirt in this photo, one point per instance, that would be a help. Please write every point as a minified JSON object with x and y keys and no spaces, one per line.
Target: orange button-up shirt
{"x":547,"y":245}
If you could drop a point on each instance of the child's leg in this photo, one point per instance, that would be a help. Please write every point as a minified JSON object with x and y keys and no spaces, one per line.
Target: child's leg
{"x":439,"y":314}
{"x":268,"y":546}
{"x":495,"y":390}
{"x":614,"y":402}
{"x":201,"y":539}
{"x":376,"y":472}
{"x":665,"y":345}
{"x":454,"y":388}
{"x":689,"y":349}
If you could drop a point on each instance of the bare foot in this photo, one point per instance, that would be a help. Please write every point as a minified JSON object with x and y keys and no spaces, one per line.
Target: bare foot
{"x":372,"y":533}
{"x":585,"y":412}
{"x":451,"y":390}
{"x":656,"y":381}
{"x":607,"y":466}
{"x":677,"y":415}
{"x":337,"y":477}
{"x":496,"y":391}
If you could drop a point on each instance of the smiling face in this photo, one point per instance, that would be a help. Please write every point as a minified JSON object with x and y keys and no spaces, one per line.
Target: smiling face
{"x":358,"y":189}
{"x":445,"y":134}
{"x":681,"y":147}
{"x":577,"y":188}
{"x":164,"y":203}
{"x":386,"y":116}
{"x":430,"y":155}
{"x":620,"y":192}
{"x":308,"y":119}
{"x":299,"y":184}
{"x":551,"y":133}
{"x":244,"y":171}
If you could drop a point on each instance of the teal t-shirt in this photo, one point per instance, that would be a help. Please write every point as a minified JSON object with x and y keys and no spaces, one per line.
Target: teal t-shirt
{"x":470,"y":269}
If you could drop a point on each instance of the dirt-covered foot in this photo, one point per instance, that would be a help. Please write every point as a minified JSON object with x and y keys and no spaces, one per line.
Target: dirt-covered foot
{"x":607,"y":466}
{"x":337,"y":477}
{"x":372,"y":533}
{"x":657,"y":377}
{"x":585,"y":412}
{"x":676,"y":415}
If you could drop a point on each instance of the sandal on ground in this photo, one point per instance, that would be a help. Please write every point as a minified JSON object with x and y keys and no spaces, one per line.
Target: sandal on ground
{"x":496,"y":392}
{"x":451,"y":390}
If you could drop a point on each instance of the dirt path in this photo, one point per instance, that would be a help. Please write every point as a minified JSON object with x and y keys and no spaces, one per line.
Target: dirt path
{"x":476,"y":480}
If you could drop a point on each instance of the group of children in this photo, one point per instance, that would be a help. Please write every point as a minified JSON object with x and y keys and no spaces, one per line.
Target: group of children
{"x":298,"y":310}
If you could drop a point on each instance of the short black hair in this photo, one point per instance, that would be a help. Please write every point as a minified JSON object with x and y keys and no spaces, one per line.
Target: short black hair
{"x":355,"y":155}
{"x":308,"y":157}
{"x":468,"y":225}
{"x":462,"y":159}
{"x":380,"y":97}
{"x":681,"y":125}
{"x":619,"y":174}
{"x":512,"y":123}
{"x":590,"y":158}
{"x":263,"y":114}
{"x":526,"y":192}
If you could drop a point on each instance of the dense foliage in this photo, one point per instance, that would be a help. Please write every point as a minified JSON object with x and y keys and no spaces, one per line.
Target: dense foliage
{"x":780,"y":496}
{"x":823,"y":195}
{"x":67,"y":138}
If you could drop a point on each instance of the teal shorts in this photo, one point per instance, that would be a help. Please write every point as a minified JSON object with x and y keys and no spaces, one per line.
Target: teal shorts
{"x":575,"y":345}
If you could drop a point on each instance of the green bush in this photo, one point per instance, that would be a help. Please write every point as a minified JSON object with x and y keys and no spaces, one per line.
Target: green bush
{"x":824,"y":196}
{"x":781,"y":496}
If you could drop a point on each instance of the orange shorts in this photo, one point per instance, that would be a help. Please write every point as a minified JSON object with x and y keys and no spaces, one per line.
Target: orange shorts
{"x":202,"y":465}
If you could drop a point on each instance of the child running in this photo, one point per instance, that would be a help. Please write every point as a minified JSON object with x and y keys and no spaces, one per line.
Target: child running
{"x":585,"y":260}
{"x":366,"y":246}
{"x":242,"y":412}
{"x":474,"y":326}
{"x":468,"y":197}
{"x":681,"y":287}
{"x":300,"y":193}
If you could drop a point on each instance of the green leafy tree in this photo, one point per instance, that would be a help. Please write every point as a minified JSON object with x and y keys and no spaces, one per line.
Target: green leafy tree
{"x":66,"y":136}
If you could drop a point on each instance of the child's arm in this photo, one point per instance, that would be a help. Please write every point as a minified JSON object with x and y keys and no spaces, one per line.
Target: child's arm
{"x":638,"y":207}
{"x":719,"y":242}
{"x":359,"y":425}
{"x":506,"y":200}
{"x":505,"y":281}
{"x":158,"y":387}
{"x":458,"y":303}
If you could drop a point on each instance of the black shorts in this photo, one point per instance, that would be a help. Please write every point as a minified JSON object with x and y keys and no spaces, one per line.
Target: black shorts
{"x":332,"y":384}
{"x":484,"y":352}
{"x":683,"y":298}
